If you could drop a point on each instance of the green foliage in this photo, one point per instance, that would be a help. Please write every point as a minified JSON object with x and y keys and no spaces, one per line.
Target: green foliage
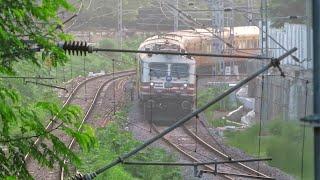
{"x":24,"y":110}
{"x":207,"y":94}
{"x":285,"y":9}
{"x":127,"y":59}
{"x":281,"y":140}
{"x":220,"y":123}
{"x":20,"y":123}
{"x":114,"y":141}
{"x":97,"y":14}
{"x":35,"y":21}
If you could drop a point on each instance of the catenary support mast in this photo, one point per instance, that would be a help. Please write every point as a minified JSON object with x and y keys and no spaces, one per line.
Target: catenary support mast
{"x":120,"y":26}
{"x":316,"y":79}
{"x":176,"y":17}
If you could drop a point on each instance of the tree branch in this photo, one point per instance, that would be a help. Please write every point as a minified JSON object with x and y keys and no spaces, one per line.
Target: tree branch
{"x":33,"y":136}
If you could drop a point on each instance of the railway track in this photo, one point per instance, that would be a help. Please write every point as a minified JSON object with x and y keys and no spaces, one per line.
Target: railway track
{"x":198,"y":150}
{"x":94,"y":86}
{"x":224,"y":156}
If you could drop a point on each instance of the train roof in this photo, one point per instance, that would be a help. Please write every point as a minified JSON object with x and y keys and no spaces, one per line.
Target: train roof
{"x":246,"y":31}
{"x":180,"y":37}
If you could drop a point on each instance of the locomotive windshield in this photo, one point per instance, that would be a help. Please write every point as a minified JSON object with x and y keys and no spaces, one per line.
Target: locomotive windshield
{"x":158,"y":69}
{"x":179,"y":70}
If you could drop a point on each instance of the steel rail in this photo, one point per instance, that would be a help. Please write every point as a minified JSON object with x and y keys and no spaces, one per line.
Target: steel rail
{"x":184,"y":152}
{"x":206,"y":164}
{"x":208,"y":146}
{"x":71,"y":95}
{"x":273,"y":63}
{"x":89,"y":110}
{"x":233,"y":174}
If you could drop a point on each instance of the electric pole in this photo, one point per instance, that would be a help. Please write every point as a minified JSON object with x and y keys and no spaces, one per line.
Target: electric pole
{"x":264,"y":28}
{"x":309,"y":33}
{"x":230,"y":24}
{"x":249,"y":11}
{"x":316,"y":81}
{"x":218,"y":30}
{"x":120,"y":26}
{"x":176,"y":17}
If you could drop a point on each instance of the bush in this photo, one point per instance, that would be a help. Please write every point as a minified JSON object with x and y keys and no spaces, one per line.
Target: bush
{"x":220,"y":123}
{"x":207,"y":94}
{"x":114,"y":141}
{"x":282,"y":141}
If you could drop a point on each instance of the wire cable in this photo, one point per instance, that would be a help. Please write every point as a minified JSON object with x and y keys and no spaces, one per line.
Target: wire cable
{"x":184,"y":15}
{"x":304,"y":133}
{"x":260,"y":122}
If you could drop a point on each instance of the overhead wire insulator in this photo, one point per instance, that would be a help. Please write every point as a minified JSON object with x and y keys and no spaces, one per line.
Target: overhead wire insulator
{"x":76,"y":47}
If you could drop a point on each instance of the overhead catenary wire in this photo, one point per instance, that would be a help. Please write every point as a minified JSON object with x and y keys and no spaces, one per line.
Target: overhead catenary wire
{"x":275,"y":41}
{"x":123,"y":157}
{"x":228,"y":44}
{"x":78,"y":46}
{"x":180,"y":53}
{"x":195,"y":163}
{"x":260,"y":122}
{"x":46,"y":85}
{"x":75,"y":15}
{"x":196,"y":106}
{"x":304,"y":132}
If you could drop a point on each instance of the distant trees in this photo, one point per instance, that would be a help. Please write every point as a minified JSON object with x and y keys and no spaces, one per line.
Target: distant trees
{"x":286,"y":8}
{"x":23,"y":24}
{"x":104,"y":13}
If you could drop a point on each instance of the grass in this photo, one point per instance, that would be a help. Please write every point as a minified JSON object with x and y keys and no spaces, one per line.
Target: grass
{"x":281,"y":140}
{"x":226,"y":104}
{"x":220,"y":123}
{"x":114,"y":141}
{"x":76,"y":66}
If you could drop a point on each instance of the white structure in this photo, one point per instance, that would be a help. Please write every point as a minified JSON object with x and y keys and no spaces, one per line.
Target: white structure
{"x":289,"y":36}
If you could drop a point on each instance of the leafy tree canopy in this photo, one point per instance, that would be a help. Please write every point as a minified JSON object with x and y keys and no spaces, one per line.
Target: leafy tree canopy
{"x":285,"y":9}
{"x":35,"y":21}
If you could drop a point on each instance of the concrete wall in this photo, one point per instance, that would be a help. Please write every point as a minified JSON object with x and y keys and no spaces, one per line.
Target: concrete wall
{"x":287,"y":98}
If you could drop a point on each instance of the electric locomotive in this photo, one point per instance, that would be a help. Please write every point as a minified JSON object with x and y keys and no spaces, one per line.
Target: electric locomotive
{"x":167,"y":82}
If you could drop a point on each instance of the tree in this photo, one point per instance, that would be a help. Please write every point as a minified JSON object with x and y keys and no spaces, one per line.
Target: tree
{"x":285,"y":9}
{"x":24,"y":23}
{"x":101,"y":14}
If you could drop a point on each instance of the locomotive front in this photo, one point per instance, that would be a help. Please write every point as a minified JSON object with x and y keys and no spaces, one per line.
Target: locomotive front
{"x":167,"y":82}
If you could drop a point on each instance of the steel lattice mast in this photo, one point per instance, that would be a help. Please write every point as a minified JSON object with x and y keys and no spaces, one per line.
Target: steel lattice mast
{"x":176,"y":17}
{"x":218,"y":30}
{"x":249,"y":11}
{"x":264,"y":28}
{"x":120,"y":26}
{"x":316,"y":79}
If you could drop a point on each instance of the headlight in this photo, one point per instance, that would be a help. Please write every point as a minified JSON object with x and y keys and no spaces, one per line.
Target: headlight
{"x":185,"y":85}
{"x":151,"y":84}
